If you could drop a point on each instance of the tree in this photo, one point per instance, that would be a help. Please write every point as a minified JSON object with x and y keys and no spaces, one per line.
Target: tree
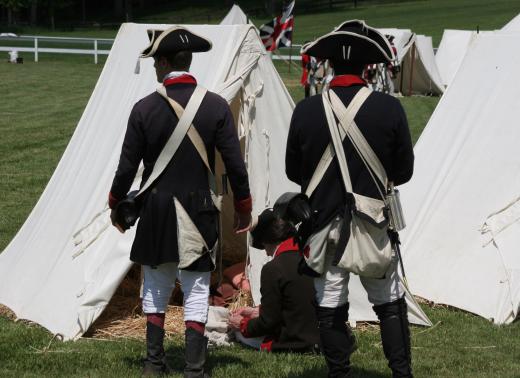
{"x":33,"y":18}
{"x":12,"y":7}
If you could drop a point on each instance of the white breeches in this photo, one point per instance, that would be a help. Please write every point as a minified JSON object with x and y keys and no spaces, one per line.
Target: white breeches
{"x":332,"y":286}
{"x":159,"y":283}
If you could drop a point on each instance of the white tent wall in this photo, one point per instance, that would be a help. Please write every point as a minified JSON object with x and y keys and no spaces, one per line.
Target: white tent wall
{"x":462,"y":205}
{"x":419,"y":74}
{"x":451,"y":51}
{"x":513,"y":25}
{"x":235,"y":16}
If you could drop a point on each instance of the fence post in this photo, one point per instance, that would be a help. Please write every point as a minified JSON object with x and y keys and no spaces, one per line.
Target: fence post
{"x":36,"y":49}
{"x":290,"y":57}
{"x":95,"y":52}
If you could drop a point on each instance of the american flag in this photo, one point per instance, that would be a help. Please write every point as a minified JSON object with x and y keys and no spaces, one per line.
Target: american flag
{"x":278,"y":32}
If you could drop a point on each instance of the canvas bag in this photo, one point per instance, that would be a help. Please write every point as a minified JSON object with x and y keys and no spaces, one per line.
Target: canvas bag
{"x":191,"y":243}
{"x":361,"y":236}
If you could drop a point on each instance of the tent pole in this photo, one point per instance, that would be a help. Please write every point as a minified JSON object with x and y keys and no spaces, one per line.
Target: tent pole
{"x":411,"y":70}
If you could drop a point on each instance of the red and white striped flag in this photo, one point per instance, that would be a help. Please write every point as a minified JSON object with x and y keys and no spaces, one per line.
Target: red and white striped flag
{"x":278,"y":32}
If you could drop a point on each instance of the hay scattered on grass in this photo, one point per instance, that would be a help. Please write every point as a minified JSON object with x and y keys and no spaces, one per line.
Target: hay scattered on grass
{"x":241,"y":299}
{"x":133,"y":326}
{"x":7,"y":313}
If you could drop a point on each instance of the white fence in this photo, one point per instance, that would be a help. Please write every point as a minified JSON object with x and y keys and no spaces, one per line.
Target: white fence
{"x":294,"y":52}
{"x":36,"y":49}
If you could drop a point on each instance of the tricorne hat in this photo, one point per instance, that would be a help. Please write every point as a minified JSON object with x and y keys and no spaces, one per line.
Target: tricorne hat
{"x":172,"y":40}
{"x":290,"y":207}
{"x":353,"y":41}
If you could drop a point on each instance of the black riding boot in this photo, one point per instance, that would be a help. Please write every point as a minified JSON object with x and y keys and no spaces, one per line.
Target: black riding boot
{"x":195,"y":355}
{"x":155,"y":362}
{"x":395,"y":336}
{"x":337,"y":340}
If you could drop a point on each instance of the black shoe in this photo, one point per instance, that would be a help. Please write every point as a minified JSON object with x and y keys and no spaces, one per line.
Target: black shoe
{"x":155,"y":370}
{"x":337,"y":340}
{"x":155,"y":362}
{"x":195,"y":355}
{"x":395,"y":337}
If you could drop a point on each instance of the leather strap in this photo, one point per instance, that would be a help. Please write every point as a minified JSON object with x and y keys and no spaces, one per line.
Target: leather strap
{"x":337,"y":143}
{"x":351,"y":112}
{"x":176,"y":138}
{"x":197,"y":142}
{"x":357,"y":138}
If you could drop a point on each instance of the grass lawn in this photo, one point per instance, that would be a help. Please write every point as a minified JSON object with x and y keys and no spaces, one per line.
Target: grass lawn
{"x":429,"y":17}
{"x":41,"y":105}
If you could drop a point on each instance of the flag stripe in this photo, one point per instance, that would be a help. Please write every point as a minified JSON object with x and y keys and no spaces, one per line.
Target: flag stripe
{"x":278,"y":32}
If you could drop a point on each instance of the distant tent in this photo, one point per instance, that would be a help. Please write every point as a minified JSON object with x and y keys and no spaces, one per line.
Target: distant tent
{"x":419,"y":73}
{"x":462,"y":206}
{"x":67,"y":255}
{"x":513,"y":25}
{"x":235,"y":16}
{"x":451,"y":51}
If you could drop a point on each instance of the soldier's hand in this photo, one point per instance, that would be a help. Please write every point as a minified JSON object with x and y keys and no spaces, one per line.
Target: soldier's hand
{"x":234,"y":321}
{"x":242,"y":222}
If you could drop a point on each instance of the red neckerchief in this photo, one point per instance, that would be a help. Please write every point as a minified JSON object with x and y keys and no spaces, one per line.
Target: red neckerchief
{"x":183,"y":79}
{"x":288,"y":245}
{"x":347,"y":81}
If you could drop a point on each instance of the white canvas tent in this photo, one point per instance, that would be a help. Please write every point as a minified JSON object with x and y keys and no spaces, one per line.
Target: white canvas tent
{"x":235,"y":16}
{"x":513,"y":25}
{"x":463,"y":204}
{"x":451,"y":51}
{"x":49,"y":265}
{"x":419,"y":74}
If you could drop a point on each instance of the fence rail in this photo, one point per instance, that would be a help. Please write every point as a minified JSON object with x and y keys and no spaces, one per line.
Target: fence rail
{"x":286,"y":53}
{"x":37,"y":39}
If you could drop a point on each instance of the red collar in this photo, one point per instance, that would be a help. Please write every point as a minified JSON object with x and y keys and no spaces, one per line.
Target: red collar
{"x":288,"y":245}
{"x":184,"y":79}
{"x":346,"y":81}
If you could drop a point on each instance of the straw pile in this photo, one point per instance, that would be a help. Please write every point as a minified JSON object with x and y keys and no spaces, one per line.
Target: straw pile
{"x":124,"y":318}
{"x":7,"y":313}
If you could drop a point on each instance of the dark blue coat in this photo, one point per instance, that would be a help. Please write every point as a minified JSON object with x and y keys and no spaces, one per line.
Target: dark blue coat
{"x":150,"y":124}
{"x":382,"y":121}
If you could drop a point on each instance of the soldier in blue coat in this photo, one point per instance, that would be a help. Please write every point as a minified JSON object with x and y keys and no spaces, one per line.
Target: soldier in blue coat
{"x":382,"y":121}
{"x":178,"y":207}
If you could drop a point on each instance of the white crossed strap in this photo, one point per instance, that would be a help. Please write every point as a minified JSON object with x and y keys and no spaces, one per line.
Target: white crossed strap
{"x":196,"y":140}
{"x":348,"y":128}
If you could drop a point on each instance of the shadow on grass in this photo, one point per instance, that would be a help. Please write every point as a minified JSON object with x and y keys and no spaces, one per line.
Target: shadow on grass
{"x":321,"y":372}
{"x":175,"y":359}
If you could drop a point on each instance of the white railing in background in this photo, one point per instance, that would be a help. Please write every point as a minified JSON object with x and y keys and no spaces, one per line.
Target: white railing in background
{"x":36,"y":49}
{"x":287,"y":53}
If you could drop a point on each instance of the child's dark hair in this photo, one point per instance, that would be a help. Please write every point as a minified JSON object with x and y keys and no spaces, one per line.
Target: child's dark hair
{"x":277,"y":231}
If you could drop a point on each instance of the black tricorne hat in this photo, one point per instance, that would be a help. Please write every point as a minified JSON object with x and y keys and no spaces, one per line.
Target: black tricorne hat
{"x":291,"y":208}
{"x":172,"y":40}
{"x":353,"y":41}
{"x":265,"y":221}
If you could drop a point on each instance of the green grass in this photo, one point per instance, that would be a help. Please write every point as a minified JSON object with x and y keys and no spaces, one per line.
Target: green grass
{"x":429,"y":17}
{"x":40,"y":107}
{"x":459,"y":345}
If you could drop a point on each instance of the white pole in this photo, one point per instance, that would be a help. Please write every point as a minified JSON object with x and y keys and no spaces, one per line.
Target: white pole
{"x":36,"y":49}
{"x":95,"y":52}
